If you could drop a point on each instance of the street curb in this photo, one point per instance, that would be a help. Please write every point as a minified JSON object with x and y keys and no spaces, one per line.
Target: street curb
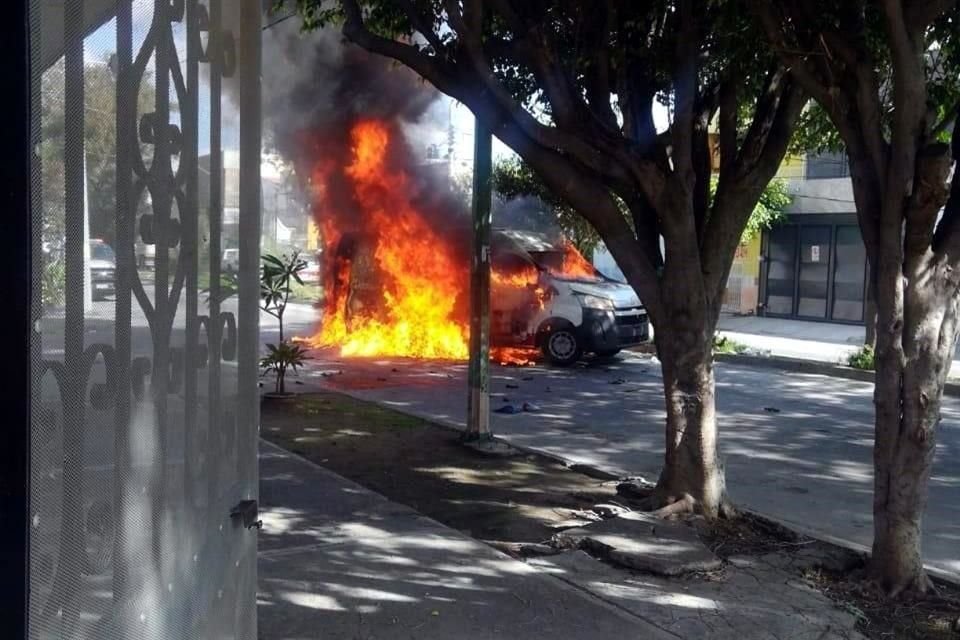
{"x":798,"y":365}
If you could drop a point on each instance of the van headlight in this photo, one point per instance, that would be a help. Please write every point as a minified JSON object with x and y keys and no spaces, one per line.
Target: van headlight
{"x":588,"y":301}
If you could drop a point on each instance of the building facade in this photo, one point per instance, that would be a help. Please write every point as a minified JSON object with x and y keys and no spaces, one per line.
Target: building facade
{"x":813,"y":266}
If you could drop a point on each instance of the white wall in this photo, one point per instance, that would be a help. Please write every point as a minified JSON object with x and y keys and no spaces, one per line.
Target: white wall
{"x":828,"y":195}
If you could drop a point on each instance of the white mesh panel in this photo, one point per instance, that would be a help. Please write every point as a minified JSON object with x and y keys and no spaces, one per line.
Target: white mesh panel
{"x":138,"y":453}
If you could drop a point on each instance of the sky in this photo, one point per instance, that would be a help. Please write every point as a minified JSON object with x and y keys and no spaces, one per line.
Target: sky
{"x":100,"y":44}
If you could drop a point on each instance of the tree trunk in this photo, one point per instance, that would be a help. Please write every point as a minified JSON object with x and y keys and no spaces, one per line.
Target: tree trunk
{"x":691,"y":475}
{"x":870,"y":319}
{"x":907,"y":396}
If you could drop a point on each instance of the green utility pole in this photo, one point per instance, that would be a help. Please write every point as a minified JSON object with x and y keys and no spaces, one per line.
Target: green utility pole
{"x":478,"y":403}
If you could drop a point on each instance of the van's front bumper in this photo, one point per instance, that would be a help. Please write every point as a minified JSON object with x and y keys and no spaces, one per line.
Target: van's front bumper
{"x":609,"y":330}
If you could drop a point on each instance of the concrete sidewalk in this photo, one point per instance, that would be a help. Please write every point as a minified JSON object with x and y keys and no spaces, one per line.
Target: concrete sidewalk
{"x":815,"y":341}
{"x":339,"y":561}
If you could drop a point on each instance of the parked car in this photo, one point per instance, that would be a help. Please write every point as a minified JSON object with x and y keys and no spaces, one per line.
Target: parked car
{"x":103,"y":267}
{"x":146,"y":255}
{"x":231,"y":260}
{"x":312,"y":273}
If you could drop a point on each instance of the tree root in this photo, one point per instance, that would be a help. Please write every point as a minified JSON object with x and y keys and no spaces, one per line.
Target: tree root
{"x":671,"y":506}
{"x":920,"y":587}
{"x":685,"y":505}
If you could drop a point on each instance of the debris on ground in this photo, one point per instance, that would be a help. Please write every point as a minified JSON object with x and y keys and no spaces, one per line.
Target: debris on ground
{"x":512,"y":386}
{"x":507,"y":409}
{"x":635,"y":488}
{"x":523,"y":549}
{"x":530,"y":408}
{"x":609,"y":510}
{"x":592,"y":471}
{"x":573,"y":523}
{"x":933,"y":617}
{"x":771,"y":410}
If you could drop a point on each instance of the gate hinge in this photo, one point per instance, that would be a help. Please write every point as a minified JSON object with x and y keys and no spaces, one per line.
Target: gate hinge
{"x":248,"y":512}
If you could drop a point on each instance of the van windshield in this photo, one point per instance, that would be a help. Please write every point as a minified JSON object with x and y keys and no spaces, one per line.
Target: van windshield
{"x":567,"y":265}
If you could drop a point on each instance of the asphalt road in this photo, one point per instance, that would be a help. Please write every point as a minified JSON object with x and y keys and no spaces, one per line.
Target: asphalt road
{"x":796,"y":447}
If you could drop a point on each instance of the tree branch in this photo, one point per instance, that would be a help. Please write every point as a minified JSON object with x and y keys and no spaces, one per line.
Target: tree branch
{"x":729,"y":124}
{"x":429,"y":67}
{"x":796,"y":61}
{"x":920,"y":13}
{"x":702,"y":169}
{"x":685,"y":95}
{"x":598,"y":76}
{"x":741,"y":184}
{"x":419,"y":22}
{"x":946,"y":238}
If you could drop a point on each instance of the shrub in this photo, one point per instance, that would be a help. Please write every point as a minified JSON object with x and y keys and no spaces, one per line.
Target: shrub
{"x":863,"y":358}
{"x":280,"y":358}
{"x":723,"y":344}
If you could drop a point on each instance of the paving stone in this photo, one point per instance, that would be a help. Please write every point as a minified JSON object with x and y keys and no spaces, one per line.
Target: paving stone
{"x":646,"y":543}
{"x":747,"y":599}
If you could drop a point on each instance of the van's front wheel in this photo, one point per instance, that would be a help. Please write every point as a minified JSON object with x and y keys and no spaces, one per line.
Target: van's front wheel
{"x":561,"y":346}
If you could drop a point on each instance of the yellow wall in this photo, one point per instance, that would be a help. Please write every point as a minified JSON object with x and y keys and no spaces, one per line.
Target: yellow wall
{"x":793,"y":166}
{"x":748,"y":255}
{"x":743,"y":285}
{"x":313,"y":235}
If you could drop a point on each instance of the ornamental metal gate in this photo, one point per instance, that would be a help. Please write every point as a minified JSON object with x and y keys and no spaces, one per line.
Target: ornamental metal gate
{"x":144,"y":411}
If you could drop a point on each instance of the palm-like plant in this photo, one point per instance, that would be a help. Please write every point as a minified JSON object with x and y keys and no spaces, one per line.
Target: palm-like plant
{"x":277,"y":277}
{"x":281,"y":358}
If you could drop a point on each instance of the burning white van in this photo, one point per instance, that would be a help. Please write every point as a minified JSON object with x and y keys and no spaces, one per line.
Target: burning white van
{"x":544,"y":294}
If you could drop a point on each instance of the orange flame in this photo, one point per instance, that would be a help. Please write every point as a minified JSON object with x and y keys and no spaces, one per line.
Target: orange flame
{"x":421,"y":279}
{"x":403,"y":294}
{"x":516,"y":356}
{"x":575,"y":265}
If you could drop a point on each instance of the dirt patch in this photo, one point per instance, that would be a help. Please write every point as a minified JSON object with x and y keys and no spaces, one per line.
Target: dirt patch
{"x":936,"y":617}
{"x":519,"y":498}
{"x":749,"y":535}
{"x":840,"y":575}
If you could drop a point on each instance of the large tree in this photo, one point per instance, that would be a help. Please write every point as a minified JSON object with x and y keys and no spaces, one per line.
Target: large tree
{"x":571,"y":87}
{"x":887,"y":75}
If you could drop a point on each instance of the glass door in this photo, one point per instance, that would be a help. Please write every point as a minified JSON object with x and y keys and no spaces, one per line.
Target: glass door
{"x":781,"y":270}
{"x":814,"y":268}
{"x":849,"y":275}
